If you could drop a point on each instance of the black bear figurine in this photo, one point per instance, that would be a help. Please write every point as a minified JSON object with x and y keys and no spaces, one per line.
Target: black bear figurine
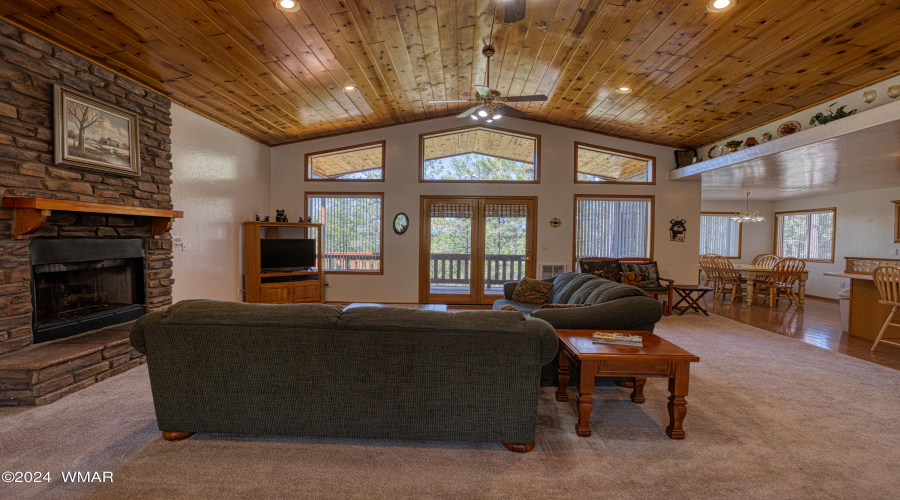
{"x":267,"y":218}
{"x":280,"y":217}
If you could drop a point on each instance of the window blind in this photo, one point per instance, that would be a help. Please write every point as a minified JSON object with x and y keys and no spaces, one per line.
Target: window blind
{"x":352,"y":231}
{"x":612,"y":228}
{"x":806,"y":235}
{"x":720,"y":235}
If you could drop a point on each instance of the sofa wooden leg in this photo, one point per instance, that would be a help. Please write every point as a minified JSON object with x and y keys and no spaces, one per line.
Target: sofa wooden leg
{"x":518,"y":447}
{"x":176,"y":436}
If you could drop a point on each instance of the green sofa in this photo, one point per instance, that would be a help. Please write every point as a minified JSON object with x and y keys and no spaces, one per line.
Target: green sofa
{"x":367,"y":372}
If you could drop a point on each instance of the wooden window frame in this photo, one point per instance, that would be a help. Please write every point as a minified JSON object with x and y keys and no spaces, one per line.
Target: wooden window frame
{"x":537,"y":155}
{"x":649,"y":197}
{"x":740,"y":232}
{"x":307,"y":158}
{"x":833,"y":210}
{"x":651,"y":160}
{"x":313,"y":194}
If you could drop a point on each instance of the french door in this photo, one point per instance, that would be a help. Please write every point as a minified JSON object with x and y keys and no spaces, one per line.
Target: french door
{"x":470,"y":246}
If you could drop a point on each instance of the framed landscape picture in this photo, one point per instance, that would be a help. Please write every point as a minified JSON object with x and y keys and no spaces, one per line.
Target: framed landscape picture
{"x":94,"y":134}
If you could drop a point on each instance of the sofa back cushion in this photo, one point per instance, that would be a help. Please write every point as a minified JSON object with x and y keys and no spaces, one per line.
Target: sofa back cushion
{"x":224,"y":313}
{"x":414,"y":320}
{"x":580,"y":288}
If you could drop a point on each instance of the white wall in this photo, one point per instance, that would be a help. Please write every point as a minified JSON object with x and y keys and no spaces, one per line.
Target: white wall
{"x":555,"y":193}
{"x":864,"y":229}
{"x":756,"y":237}
{"x":220,"y":178}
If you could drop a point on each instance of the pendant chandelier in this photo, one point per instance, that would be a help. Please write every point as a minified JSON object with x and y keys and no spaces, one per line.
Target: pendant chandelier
{"x":747,"y":216}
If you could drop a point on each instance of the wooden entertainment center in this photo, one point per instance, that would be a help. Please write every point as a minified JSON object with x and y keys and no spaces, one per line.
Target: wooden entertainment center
{"x":280,"y":287}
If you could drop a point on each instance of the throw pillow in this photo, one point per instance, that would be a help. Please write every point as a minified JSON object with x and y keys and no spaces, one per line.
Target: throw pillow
{"x":507,"y":308}
{"x":633,"y":279}
{"x":561,"y":306}
{"x":531,"y":291}
{"x":649,"y":271}
{"x":608,"y":269}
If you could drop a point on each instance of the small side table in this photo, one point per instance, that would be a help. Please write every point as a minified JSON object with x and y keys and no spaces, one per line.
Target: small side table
{"x":692,"y":294}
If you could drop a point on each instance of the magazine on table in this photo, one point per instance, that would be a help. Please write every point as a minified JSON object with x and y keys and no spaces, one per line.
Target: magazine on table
{"x":618,"y":338}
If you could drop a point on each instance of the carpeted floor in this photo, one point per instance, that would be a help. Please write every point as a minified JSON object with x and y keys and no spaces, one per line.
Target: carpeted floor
{"x":768,"y":417}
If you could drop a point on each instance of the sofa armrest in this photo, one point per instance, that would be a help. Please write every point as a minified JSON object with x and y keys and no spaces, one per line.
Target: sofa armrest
{"x":508,"y":289}
{"x":138,"y":341}
{"x":629,"y":313}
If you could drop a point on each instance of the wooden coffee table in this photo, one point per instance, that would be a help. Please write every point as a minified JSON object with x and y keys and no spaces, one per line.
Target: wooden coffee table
{"x":656,"y":358}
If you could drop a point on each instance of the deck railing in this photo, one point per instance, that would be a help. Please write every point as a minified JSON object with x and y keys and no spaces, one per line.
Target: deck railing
{"x":352,"y":261}
{"x":454,"y":269}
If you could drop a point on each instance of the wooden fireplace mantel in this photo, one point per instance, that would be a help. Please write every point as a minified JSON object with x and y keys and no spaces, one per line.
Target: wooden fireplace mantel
{"x":31,"y":213}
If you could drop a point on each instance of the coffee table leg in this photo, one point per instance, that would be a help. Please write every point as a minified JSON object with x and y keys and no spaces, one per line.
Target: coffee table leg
{"x":637,"y":394}
{"x":678,"y":389}
{"x":562,"y":393}
{"x":585,"y":397}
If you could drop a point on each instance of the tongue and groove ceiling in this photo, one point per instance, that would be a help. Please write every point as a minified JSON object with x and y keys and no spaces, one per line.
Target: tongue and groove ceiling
{"x":697,"y":76}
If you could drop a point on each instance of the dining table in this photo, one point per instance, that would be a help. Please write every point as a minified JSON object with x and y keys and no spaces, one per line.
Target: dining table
{"x":753,"y":271}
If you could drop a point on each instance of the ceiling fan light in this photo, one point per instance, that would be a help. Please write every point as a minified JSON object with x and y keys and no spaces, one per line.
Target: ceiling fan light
{"x":474,"y":117}
{"x":482,"y":113}
{"x":496,"y":116}
{"x":287,"y":5}
{"x":489,"y":120}
{"x":719,"y":5}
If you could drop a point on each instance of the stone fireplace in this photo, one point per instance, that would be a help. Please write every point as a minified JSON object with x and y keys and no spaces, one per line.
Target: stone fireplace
{"x":112,"y":226}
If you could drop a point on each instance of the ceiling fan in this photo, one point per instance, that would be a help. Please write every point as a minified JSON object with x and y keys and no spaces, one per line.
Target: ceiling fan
{"x":490,"y":104}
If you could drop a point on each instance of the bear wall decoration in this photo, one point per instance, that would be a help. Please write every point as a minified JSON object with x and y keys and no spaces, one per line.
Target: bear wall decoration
{"x":677,"y":230}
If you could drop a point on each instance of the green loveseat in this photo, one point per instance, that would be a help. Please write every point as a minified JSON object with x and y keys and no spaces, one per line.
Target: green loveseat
{"x":367,"y":372}
{"x":609,"y":306}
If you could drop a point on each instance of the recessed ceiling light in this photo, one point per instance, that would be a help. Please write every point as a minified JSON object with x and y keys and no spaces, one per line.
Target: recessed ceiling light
{"x":719,"y":5}
{"x":287,"y":5}
{"x":349,"y":88}
{"x":624,"y":90}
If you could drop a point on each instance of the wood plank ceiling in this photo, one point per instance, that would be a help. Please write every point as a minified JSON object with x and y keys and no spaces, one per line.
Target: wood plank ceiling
{"x":697,"y":76}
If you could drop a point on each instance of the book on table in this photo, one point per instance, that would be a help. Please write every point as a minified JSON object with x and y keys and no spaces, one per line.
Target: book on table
{"x":618,"y":338}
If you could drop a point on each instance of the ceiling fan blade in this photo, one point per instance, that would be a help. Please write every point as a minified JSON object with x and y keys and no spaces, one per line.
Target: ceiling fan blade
{"x":468,"y":112}
{"x":482,"y":90}
{"x":511,"y":112}
{"x":513,"y":11}
{"x":526,"y":98}
{"x":451,"y":101}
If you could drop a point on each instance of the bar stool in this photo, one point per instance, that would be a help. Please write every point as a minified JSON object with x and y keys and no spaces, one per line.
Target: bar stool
{"x":887,"y":279}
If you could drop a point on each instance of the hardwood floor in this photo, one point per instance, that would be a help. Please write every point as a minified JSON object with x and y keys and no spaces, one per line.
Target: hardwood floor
{"x":818,"y":323}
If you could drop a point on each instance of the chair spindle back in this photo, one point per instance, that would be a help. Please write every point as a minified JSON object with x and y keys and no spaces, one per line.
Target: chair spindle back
{"x":767,"y":261}
{"x":787,"y":271}
{"x":887,"y":279}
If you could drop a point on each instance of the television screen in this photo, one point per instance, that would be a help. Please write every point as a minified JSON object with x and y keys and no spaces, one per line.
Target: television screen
{"x":279,"y":253}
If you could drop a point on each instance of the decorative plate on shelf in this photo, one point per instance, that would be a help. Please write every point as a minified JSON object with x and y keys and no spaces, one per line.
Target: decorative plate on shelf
{"x":766,"y":137}
{"x":715,"y":151}
{"x":788,"y":128}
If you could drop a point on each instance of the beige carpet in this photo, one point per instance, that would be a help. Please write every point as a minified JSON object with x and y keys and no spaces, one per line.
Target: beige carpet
{"x":768,"y":417}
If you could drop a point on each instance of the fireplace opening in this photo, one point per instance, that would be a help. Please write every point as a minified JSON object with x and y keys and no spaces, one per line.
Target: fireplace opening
{"x":79,"y":285}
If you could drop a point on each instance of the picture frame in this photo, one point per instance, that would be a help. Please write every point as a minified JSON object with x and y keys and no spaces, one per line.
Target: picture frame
{"x":89,"y":133}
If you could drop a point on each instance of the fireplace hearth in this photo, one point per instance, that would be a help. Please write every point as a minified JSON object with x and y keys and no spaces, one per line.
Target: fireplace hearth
{"x":79,"y":285}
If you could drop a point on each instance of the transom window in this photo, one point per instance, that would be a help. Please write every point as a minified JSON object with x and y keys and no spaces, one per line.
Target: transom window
{"x":364,"y":162}
{"x":352,"y":225}
{"x":807,"y":235}
{"x":599,"y":164}
{"x":610,"y":226}
{"x":479,"y":154}
{"x":720,"y":235}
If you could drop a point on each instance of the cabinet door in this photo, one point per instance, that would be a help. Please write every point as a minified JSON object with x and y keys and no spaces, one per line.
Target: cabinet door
{"x":276,"y":293}
{"x":307,"y":292}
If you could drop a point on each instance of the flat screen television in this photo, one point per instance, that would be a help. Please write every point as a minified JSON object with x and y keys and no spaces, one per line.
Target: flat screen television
{"x":278,"y":253}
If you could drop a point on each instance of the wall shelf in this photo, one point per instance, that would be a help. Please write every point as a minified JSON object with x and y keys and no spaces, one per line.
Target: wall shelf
{"x":856,"y":153}
{"x":31,"y":213}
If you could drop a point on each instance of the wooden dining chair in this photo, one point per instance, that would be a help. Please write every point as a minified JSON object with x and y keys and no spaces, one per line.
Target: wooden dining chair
{"x":887,"y":280}
{"x":767,"y":261}
{"x":707,"y":265}
{"x":785,"y":274}
{"x":760,"y":256}
{"x":728,"y":275}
